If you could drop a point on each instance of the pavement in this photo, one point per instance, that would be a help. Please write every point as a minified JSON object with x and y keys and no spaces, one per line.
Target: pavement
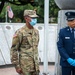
{"x":11,"y":70}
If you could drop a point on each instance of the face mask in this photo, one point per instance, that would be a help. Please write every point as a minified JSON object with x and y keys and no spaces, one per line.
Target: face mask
{"x":33,"y":22}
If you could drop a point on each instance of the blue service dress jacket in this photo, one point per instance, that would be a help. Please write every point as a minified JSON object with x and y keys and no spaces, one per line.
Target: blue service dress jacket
{"x":66,"y":46}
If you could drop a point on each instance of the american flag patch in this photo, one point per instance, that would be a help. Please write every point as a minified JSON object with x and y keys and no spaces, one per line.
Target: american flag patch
{"x":15,"y":35}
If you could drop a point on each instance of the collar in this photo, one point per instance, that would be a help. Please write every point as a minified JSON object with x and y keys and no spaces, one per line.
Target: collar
{"x":71,"y":28}
{"x":28,"y":30}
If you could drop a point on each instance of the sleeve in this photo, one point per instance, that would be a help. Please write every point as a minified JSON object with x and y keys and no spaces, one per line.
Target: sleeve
{"x":14,"y":53}
{"x":60,"y":45}
{"x":38,"y":37}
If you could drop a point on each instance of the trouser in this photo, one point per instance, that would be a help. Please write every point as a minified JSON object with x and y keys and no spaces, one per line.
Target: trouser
{"x":31,"y":73}
{"x":68,"y":70}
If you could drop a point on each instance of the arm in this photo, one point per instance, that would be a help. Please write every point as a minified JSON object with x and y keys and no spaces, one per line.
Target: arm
{"x":38,"y":37}
{"x":14,"y":49}
{"x":61,"y":48}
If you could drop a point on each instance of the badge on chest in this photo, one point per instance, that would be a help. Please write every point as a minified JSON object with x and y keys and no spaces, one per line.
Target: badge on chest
{"x":67,"y":37}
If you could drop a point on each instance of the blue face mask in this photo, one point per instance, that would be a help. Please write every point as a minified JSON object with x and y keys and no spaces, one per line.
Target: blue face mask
{"x":33,"y":22}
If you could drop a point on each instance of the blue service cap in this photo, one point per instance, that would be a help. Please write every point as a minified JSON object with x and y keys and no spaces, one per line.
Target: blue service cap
{"x":70,"y":16}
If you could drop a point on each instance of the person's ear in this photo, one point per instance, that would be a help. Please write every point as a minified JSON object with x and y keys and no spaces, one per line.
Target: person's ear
{"x":25,"y":18}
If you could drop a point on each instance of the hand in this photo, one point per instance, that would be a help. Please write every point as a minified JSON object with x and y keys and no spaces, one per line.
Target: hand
{"x":73,"y":64}
{"x":18,"y":70}
{"x":70,"y":61}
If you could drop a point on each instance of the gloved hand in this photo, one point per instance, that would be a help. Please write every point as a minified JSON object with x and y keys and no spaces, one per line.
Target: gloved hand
{"x":70,"y":61}
{"x":73,"y":64}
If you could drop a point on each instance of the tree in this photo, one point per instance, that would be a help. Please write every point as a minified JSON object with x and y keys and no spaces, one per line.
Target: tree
{"x":17,"y":2}
{"x":53,"y":11}
{"x":39,"y":6}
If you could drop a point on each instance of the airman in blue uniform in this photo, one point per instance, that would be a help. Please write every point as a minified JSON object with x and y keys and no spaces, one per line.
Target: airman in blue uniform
{"x":66,"y":45}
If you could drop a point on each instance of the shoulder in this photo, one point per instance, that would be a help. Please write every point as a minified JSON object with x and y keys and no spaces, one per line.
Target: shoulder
{"x":36,"y":30}
{"x":64,"y":29}
{"x":20,"y":30}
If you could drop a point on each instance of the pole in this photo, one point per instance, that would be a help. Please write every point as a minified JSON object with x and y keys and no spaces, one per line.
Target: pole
{"x":46,"y":22}
{"x":6,"y":13}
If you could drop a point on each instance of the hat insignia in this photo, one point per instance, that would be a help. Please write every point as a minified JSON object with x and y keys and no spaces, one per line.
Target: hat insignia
{"x":68,"y":13}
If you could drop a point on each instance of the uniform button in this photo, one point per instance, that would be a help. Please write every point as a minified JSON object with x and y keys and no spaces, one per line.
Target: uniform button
{"x":73,"y":52}
{"x":74,"y":48}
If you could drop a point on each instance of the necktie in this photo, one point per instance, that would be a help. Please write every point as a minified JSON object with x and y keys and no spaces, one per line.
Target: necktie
{"x":73,"y":32}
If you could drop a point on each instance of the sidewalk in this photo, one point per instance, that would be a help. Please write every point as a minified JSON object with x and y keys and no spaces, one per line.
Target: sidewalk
{"x":11,"y":70}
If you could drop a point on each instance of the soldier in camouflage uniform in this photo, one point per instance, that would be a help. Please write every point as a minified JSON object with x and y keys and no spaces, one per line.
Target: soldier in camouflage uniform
{"x":24,"y":50}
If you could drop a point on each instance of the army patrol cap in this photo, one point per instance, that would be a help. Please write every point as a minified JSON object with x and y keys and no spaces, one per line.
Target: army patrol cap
{"x":31,"y":13}
{"x":70,"y":16}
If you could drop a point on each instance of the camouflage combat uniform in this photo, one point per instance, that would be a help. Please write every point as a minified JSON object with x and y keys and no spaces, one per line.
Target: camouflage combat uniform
{"x":24,"y":50}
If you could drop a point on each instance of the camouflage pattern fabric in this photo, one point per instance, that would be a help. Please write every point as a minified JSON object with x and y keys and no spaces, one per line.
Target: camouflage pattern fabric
{"x":30,"y":73}
{"x":24,"y":50}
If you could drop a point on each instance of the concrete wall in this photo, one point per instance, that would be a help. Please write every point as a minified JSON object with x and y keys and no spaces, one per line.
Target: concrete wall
{"x":6,"y":33}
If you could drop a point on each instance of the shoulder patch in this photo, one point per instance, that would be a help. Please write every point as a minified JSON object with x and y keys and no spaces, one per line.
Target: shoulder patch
{"x":15,"y":35}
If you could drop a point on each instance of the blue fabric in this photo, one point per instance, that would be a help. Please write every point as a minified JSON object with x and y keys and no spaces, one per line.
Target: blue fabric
{"x":73,"y":32}
{"x":66,"y":71}
{"x":66,"y":46}
{"x":70,"y":16}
